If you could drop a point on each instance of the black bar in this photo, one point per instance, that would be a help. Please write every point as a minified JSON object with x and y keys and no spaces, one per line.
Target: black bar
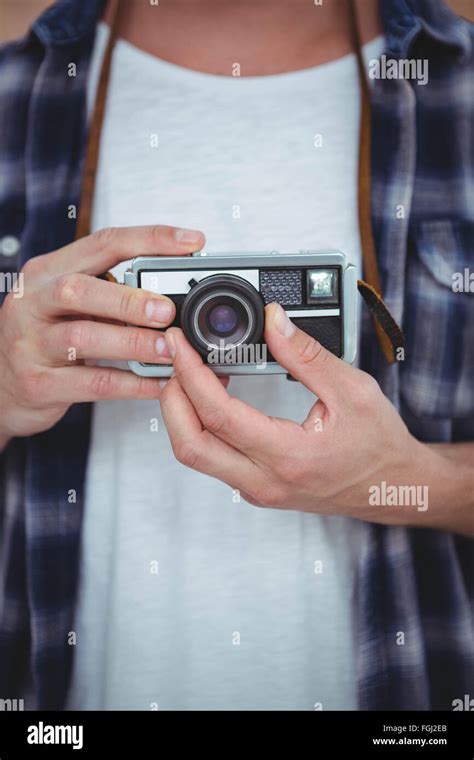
{"x":322,"y":734}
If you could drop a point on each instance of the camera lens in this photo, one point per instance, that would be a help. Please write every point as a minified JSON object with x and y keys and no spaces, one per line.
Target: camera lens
{"x":223,"y":319}
{"x":222,"y":311}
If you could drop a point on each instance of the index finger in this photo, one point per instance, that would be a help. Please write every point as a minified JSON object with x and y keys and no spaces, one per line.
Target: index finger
{"x":230,"y":419}
{"x":99,"y":252}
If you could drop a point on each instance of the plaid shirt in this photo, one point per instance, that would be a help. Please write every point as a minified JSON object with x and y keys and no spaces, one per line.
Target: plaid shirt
{"x":415,"y":582}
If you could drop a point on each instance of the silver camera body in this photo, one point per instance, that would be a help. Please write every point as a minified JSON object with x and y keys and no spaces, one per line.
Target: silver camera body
{"x":220,"y":302}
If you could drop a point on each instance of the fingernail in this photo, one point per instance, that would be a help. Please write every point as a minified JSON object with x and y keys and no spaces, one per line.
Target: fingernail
{"x":282,"y":322}
{"x":158,"y":311}
{"x":188,"y":236}
{"x":160,"y":347}
{"x":162,"y":383}
{"x":171,"y":343}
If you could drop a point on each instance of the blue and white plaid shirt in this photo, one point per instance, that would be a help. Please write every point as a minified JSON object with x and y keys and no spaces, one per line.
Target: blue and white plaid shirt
{"x":418,"y":582}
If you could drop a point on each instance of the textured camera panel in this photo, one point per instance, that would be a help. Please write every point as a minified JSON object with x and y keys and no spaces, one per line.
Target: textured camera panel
{"x":327,"y":330}
{"x":283,"y":286}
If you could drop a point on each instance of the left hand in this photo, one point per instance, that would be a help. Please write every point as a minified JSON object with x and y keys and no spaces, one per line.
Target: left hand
{"x":352,"y":438}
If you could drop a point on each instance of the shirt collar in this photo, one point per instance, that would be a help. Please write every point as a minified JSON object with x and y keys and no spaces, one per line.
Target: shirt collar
{"x":403,"y":20}
{"x":68,"y":22}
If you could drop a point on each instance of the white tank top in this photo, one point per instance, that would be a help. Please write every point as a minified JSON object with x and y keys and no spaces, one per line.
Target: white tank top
{"x":188,"y":598}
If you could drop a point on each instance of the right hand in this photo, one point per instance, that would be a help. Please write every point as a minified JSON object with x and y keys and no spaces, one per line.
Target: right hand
{"x":65,"y":306}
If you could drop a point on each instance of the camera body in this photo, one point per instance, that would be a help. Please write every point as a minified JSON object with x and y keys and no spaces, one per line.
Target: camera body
{"x":220,"y":302}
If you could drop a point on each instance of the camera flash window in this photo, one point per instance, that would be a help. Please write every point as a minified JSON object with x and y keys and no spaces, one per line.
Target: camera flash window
{"x":322,"y":286}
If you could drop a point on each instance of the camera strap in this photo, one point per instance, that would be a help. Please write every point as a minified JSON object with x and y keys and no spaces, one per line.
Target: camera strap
{"x":389,"y":334}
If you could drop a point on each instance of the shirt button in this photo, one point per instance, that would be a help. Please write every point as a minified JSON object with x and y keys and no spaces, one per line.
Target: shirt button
{"x":9,"y":245}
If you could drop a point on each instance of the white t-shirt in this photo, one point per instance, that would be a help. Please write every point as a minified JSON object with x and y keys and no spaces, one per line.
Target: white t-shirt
{"x":190,"y":599}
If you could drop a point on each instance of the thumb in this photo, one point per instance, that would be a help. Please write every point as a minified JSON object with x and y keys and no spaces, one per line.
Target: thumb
{"x":304,"y":357}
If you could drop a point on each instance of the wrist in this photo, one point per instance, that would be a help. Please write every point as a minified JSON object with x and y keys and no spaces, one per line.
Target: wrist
{"x":451,"y":491}
{"x":438,"y":492}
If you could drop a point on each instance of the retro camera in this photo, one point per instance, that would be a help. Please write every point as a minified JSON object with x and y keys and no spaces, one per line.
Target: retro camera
{"x":220,"y":304}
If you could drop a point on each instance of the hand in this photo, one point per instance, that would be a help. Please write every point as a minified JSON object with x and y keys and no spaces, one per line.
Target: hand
{"x":352,"y":439}
{"x":67,"y":316}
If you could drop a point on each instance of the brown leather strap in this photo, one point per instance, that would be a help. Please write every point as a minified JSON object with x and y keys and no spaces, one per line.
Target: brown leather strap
{"x":370,"y":288}
{"x":390,"y":339}
{"x":83,"y":226}
{"x":384,"y":322}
